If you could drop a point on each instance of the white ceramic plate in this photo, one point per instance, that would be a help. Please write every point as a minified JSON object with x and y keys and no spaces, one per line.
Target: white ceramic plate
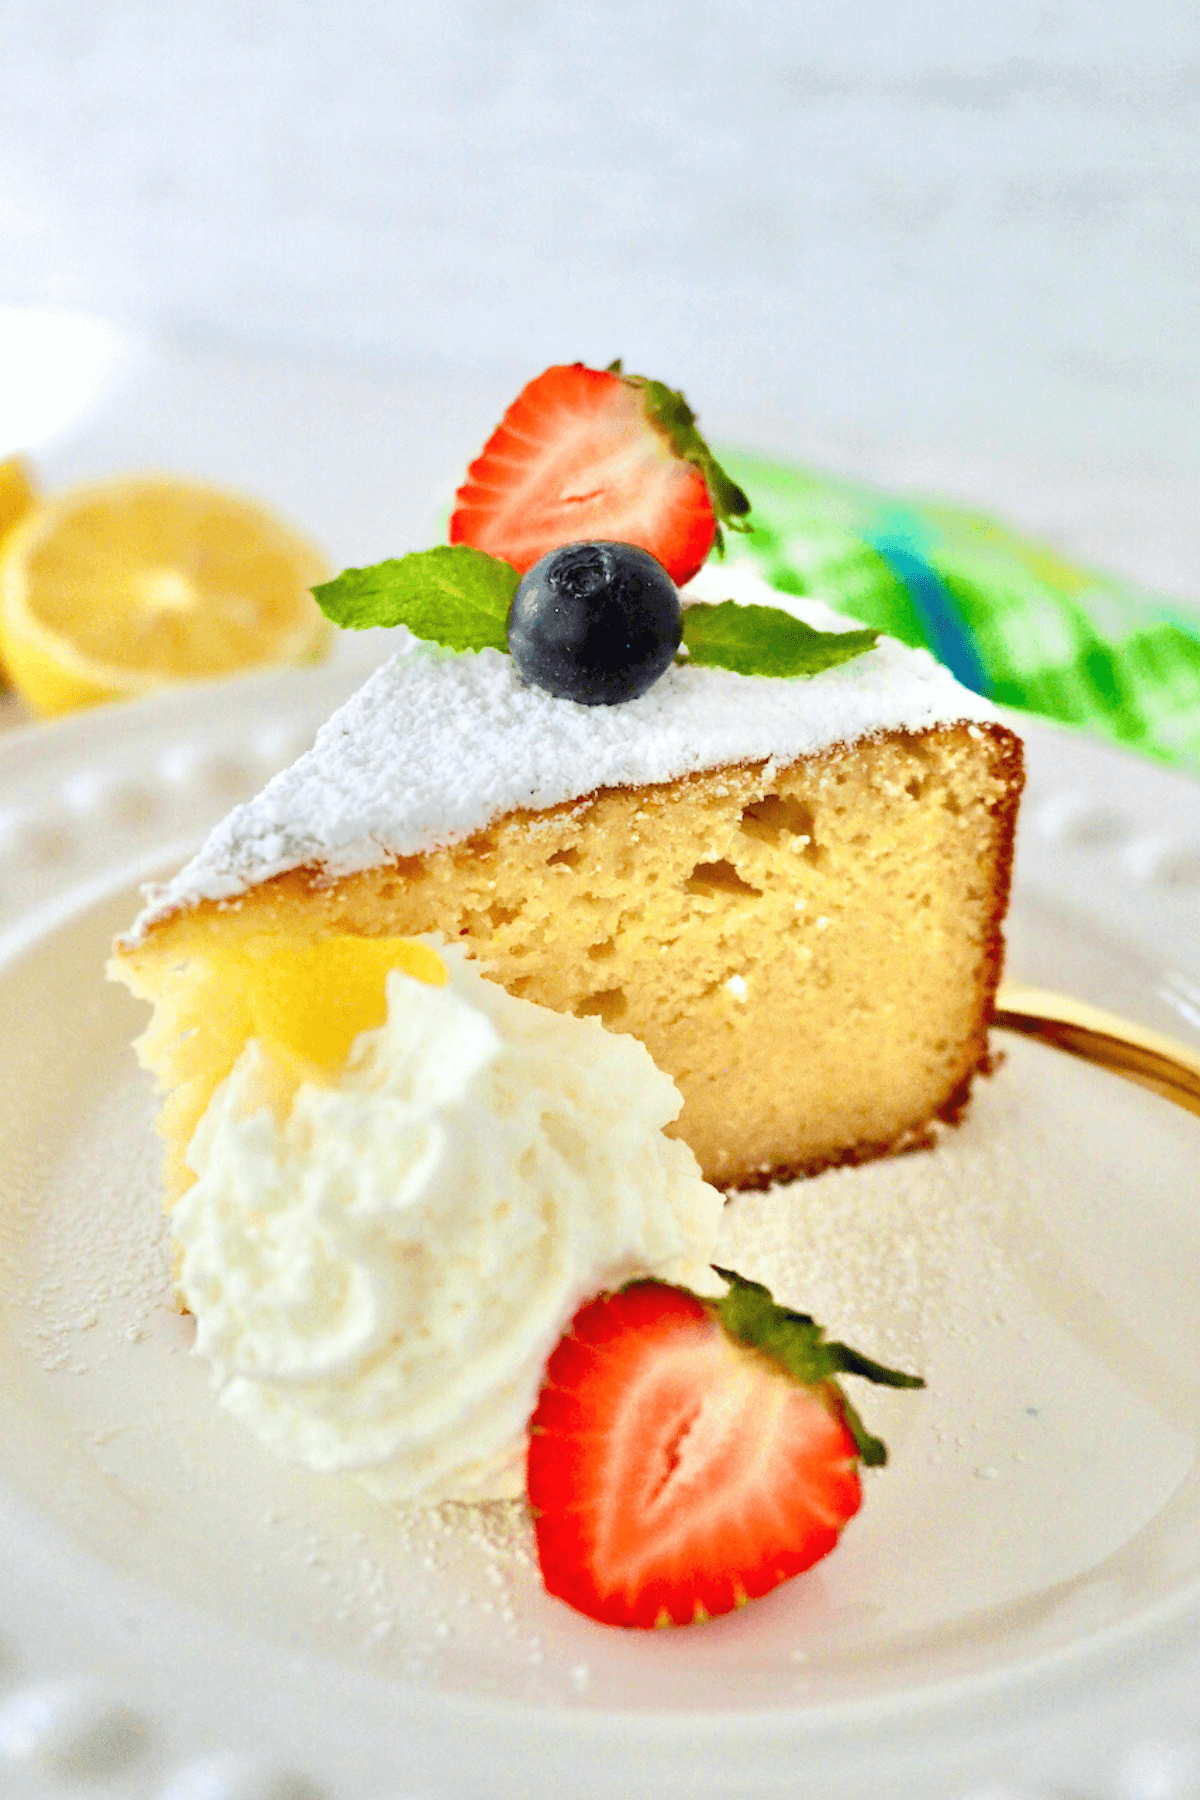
{"x":173,"y":1595}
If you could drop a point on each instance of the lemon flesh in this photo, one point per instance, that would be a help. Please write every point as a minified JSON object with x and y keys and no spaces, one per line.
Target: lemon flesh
{"x":112,"y":591}
{"x":309,"y":1001}
{"x":17,"y":493}
{"x":304,"y":999}
{"x":17,"y":497}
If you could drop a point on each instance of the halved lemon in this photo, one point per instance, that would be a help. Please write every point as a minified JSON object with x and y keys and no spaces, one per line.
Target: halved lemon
{"x":111,"y":591}
{"x":18,"y":495}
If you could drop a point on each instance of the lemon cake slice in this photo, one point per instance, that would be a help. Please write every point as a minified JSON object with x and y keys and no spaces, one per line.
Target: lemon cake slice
{"x":791,"y":891}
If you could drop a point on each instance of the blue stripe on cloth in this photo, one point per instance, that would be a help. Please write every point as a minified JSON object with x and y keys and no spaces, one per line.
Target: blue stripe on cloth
{"x":898,"y":538}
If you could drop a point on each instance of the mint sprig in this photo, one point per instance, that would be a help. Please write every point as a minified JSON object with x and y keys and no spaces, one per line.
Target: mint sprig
{"x":459,"y":597}
{"x":765,"y":640}
{"x":452,"y":595}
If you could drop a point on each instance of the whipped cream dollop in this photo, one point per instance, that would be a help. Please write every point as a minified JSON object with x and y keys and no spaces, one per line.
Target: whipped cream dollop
{"x":380,"y":1269}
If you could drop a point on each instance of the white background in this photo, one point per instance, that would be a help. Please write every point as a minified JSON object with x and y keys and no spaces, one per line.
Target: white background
{"x":950,"y":241}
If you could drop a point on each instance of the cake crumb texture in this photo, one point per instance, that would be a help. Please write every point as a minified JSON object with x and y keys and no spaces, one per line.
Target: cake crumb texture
{"x":809,"y":949}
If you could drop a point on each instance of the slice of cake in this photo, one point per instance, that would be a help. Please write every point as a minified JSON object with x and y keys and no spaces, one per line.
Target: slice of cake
{"x":791,"y":891}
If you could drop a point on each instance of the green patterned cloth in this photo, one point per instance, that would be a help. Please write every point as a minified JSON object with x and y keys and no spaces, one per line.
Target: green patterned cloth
{"x":1008,"y":616}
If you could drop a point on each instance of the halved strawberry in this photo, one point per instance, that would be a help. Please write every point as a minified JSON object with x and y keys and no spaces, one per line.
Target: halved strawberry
{"x":688,"y":1455}
{"x":585,"y":454}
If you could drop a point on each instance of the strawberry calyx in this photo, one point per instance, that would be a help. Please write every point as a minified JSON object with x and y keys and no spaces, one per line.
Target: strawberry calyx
{"x":749,"y":1315}
{"x":671,"y":416}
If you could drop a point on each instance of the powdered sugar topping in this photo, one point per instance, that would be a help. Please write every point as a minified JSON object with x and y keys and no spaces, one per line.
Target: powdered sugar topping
{"x":436,"y":746}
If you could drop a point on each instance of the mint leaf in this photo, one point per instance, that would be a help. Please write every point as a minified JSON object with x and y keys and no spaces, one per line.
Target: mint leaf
{"x":452,"y":595}
{"x":765,"y":640}
{"x":670,"y":414}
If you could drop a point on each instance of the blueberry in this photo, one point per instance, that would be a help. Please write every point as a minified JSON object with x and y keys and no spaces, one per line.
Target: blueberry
{"x":596,"y":623}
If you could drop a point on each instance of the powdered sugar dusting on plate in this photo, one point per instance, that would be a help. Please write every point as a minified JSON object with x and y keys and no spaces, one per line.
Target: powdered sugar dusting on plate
{"x":436,"y":746}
